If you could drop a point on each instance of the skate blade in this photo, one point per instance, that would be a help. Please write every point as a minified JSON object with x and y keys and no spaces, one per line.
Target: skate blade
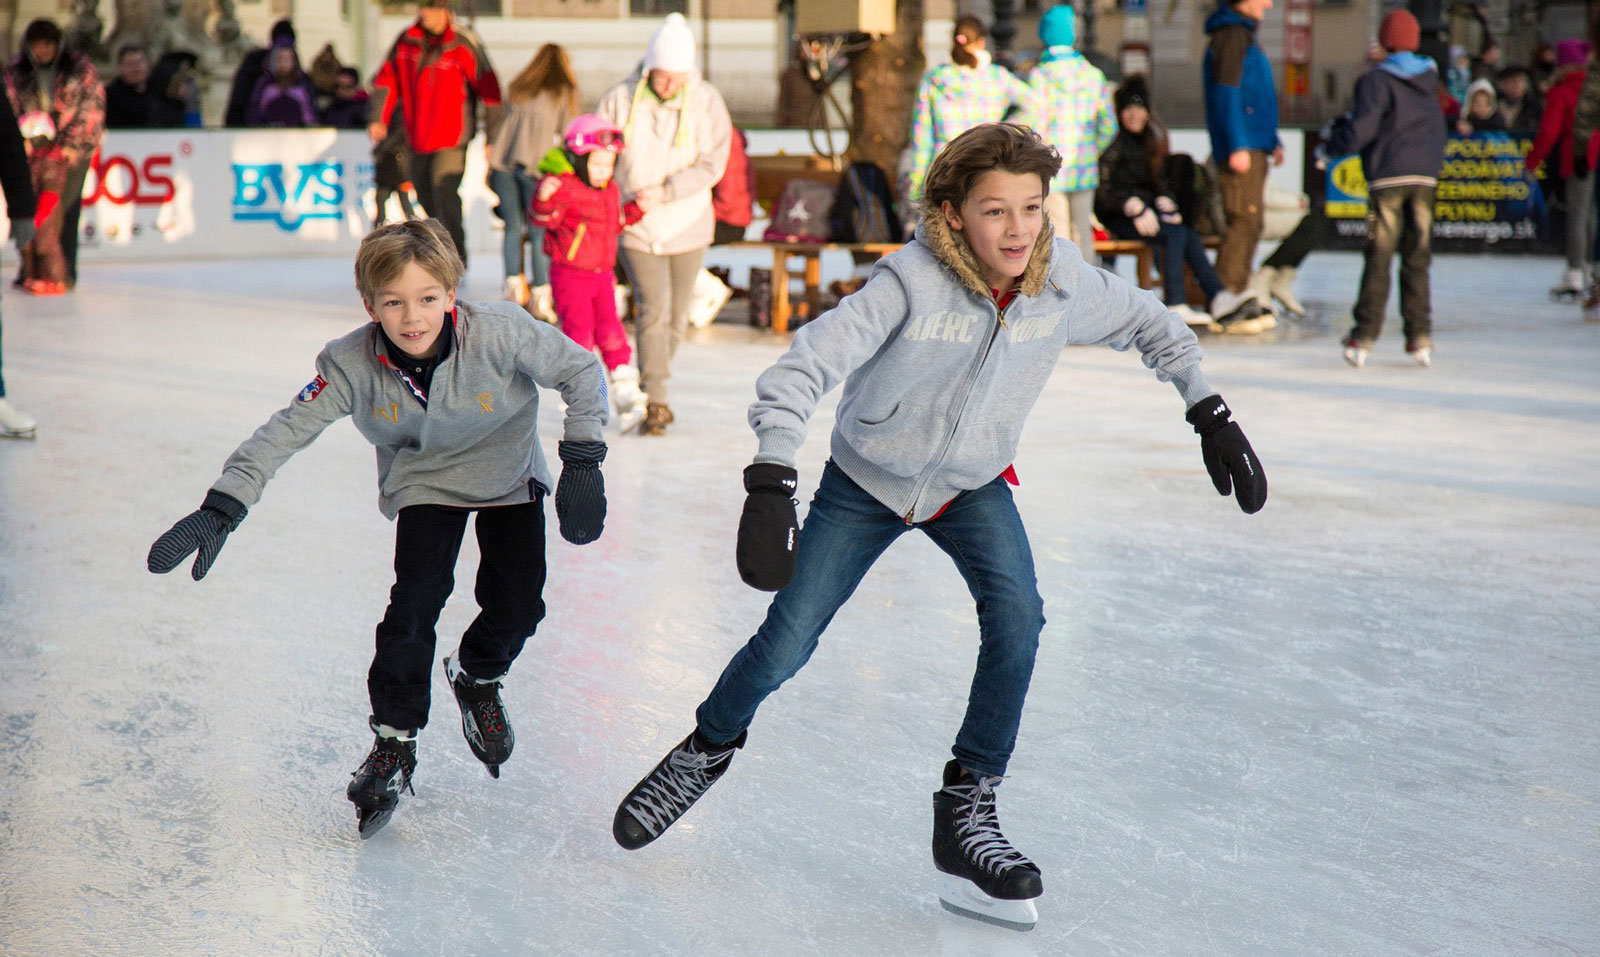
{"x":370,"y":821}
{"x":961,"y":897}
{"x":494,"y":770}
{"x":23,"y":435}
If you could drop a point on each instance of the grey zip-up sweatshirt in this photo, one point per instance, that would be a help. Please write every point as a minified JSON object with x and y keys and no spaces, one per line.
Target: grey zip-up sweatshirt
{"x":937,"y":383}
{"x":473,"y":444}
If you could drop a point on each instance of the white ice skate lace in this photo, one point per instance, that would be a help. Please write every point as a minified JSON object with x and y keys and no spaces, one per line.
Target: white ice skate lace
{"x":680,"y":782}
{"x":978,"y":827}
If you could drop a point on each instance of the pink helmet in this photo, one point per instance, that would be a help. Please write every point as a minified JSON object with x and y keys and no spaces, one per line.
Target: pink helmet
{"x":589,"y":132}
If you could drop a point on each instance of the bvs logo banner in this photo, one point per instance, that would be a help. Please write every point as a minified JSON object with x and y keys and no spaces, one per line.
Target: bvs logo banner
{"x":288,"y":195}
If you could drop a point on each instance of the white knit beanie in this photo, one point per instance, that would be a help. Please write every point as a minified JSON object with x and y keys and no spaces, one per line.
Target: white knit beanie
{"x":672,"y":47}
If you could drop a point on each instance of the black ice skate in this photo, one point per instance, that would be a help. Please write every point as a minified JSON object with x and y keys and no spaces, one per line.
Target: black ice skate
{"x":985,"y":877}
{"x":668,"y":790}
{"x":375,"y":786}
{"x":483,"y":716}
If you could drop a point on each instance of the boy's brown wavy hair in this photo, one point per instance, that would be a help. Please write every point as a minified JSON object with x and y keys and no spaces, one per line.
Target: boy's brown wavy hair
{"x":1006,"y":146}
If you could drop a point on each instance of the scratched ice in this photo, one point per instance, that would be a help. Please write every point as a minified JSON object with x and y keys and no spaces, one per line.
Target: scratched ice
{"x":1361,"y":722}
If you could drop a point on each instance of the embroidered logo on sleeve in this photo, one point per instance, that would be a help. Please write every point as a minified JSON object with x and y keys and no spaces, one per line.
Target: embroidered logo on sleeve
{"x":313,"y":389}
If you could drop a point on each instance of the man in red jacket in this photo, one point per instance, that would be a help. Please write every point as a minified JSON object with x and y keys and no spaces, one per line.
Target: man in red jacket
{"x":437,"y":73}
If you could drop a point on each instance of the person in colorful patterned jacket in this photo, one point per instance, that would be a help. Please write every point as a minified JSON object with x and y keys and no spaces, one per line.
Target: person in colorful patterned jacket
{"x":580,"y":213}
{"x":437,"y":74}
{"x":954,"y":97}
{"x":447,"y":391}
{"x":61,"y":106}
{"x":1072,"y":111}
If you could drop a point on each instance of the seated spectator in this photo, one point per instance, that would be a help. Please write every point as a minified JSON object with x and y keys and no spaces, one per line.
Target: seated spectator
{"x":1133,"y":201}
{"x":1519,"y":106}
{"x":174,"y":92}
{"x":283,"y":95}
{"x":1479,"y":114}
{"x":129,"y":100}
{"x":348,"y":110}
{"x":251,"y":67}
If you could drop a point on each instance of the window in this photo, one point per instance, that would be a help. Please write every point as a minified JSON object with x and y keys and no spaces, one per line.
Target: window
{"x":657,"y":8}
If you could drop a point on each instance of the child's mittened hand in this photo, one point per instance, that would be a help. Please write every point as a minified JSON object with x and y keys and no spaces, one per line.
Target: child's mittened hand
{"x":1228,"y":456}
{"x":203,"y":531}
{"x":769,"y":529}
{"x":548,"y":187}
{"x":581,"y":491}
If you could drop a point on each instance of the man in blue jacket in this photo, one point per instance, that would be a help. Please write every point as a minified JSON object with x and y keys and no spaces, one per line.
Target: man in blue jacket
{"x":1242,"y":118}
{"x":1399,"y":130}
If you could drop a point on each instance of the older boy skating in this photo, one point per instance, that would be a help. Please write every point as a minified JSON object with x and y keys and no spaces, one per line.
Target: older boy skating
{"x":942,"y":354}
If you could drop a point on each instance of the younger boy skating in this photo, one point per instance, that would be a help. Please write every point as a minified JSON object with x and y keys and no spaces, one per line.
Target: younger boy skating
{"x":942,"y":354}
{"x":580,"y":209}
{"x":448,"y":392}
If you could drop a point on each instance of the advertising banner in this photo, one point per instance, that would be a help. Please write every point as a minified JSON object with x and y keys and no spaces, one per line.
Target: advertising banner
{"x":186,"y":194}
{"x":1486,"y":199}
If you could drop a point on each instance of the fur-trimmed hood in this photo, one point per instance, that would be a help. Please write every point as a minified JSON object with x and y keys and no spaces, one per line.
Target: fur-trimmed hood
{"x":955,"y":255}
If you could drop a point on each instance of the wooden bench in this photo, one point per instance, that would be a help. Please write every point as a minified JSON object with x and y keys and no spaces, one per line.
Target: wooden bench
{"x":773,"y":173}
{"x":809,"y":270}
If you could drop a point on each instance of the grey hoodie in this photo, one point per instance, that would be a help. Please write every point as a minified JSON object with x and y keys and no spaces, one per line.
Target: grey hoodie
{"x":937,"y":384}
{"x":475,"y":442}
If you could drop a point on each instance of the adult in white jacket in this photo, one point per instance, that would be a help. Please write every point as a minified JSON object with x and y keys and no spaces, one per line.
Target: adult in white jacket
{"x":676,"y":134}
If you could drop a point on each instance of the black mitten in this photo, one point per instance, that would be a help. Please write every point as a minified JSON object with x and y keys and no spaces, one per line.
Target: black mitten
{"x":768,"y":529}
{"x":1228,"y":456}
{"x":581,"y":491}
{"x":201,"y":531}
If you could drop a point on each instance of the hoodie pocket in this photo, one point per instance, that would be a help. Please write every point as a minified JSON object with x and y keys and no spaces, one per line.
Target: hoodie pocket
{"x":980,"y":452}
{"x":901,"y":441}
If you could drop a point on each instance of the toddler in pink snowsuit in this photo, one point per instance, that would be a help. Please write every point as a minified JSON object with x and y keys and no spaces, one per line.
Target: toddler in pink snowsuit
{"x":581,"y":211}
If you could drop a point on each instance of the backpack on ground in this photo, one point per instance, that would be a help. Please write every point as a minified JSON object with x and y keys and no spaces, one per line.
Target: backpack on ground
{"x":801,"y":213}
{"x":863,"y":207}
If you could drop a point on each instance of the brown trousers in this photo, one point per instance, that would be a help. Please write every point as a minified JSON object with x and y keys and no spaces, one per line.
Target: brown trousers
{"x":1244,"y":204}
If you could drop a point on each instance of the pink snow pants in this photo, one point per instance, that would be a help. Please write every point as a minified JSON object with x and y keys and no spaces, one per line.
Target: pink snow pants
{"x":586,"y":302}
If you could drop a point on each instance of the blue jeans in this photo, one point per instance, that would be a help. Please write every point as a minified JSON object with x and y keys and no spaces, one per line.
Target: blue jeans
{"x":514,"y":190}
{"x":845,"y":532}
{"x":1179,"y":246}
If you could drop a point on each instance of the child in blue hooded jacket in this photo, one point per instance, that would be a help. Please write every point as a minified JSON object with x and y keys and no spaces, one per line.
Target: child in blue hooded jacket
{"x":942,"y":354}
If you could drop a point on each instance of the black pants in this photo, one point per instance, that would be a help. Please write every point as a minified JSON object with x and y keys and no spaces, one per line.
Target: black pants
{"x":1298,"y":244}
{"x":1399,"y":218}
{"x":72,"y":203}
{"x":510,"y":593}
{"x":437,"y":178}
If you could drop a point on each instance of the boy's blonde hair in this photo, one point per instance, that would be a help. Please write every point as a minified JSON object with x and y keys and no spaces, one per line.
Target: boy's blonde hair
{"x":387,"y":250}
{"x":983,"y":149}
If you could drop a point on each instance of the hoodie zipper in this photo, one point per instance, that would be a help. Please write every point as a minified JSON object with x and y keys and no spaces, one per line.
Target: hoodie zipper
{"x":972,"y":384}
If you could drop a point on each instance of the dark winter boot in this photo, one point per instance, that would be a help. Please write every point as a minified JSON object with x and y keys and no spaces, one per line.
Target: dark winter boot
{"x":483,"y":716}
{"x":375,"y":787}
{"x":967,"y":842}
{"x":668,"y":790}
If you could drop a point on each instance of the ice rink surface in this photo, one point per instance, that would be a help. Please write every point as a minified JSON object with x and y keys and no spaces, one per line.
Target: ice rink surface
{"x":1364,"y":721}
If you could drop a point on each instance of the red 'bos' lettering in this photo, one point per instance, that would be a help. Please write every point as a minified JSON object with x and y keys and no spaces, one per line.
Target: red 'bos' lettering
{"x":120,"y":182}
